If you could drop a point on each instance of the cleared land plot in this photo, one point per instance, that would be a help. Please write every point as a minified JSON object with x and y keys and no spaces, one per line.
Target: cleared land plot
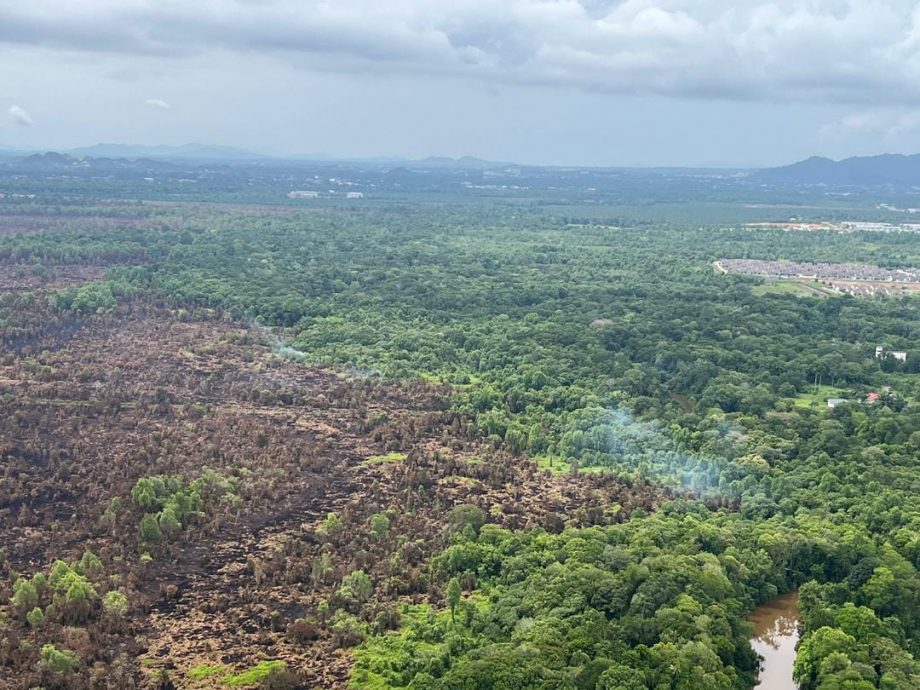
{"x":818,"y":396}
{"x":791,"y":287}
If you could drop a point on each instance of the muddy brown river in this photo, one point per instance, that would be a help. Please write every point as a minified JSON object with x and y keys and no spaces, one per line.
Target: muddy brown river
{"x":776,"y":632}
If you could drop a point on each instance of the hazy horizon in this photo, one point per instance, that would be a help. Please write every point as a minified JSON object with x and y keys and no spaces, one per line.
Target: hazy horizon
{"x":171,"y":152}
{"x":589,"y":83}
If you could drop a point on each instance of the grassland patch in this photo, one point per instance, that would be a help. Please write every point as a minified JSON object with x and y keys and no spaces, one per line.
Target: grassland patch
{"x":385,"y":458}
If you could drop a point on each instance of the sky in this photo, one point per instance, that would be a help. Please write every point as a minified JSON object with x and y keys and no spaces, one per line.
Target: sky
{"x":562,"y":82}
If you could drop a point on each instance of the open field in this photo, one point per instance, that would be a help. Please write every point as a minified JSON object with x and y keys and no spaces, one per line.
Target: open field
{"x":791,"y":287}
{"x":817,"y":397}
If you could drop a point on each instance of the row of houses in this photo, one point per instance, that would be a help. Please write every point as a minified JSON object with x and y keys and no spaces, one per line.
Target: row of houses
{"x":817,"y":271}
{"x":311,"y":194}
{"x":872,"y":397}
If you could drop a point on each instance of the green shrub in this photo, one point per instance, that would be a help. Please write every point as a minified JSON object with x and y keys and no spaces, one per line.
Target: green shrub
{"x":115,"y":604}
{"x":35,"y":618}
{"x":260,"y":673}
{"x":59,"y":662}
{"x":25,"y":597}
{"x":150,"y":529}
{"x":356,"y":587}
{"x":207,"y":671}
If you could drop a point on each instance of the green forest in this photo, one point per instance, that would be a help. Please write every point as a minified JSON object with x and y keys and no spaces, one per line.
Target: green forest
{"x":588,"y":347}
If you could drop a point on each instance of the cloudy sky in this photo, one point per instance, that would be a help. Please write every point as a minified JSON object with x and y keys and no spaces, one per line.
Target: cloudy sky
{"x":591,"y":82}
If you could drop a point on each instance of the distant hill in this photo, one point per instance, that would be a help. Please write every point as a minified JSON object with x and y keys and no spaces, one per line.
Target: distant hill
{"x":863,"y":171}
{"x":204,"y":153}
{"x":61,"y":162}
{"x":187,"y":152}
{"x":46,"y":161}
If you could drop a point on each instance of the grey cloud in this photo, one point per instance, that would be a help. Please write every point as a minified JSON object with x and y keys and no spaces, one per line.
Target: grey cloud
{"x":158,"y":103}
{"x":847,"y":51}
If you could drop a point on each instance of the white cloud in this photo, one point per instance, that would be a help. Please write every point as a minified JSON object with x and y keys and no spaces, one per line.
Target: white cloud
{"x":857,"y":51}
{"x":19,"y":115}
{"x":889,"y":123}
{"x":157,"y":103}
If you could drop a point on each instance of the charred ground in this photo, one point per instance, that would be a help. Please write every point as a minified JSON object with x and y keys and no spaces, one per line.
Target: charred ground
{"x":94,"y":403}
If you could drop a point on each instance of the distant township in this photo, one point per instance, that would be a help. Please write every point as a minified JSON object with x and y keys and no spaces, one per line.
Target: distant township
{"x":794,"y":269}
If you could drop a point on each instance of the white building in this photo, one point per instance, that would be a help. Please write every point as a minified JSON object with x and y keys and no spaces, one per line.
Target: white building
{"x":899,"y":355}
{"x":354,"y":195}
{"x":303,"y":194}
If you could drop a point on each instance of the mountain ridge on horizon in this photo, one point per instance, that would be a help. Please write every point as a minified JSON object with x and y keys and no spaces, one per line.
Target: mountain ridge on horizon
{"x":864,"y":171}
{"x":193,"y":152}
{"x":871,"y":170}
{"x":190,"y":151}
